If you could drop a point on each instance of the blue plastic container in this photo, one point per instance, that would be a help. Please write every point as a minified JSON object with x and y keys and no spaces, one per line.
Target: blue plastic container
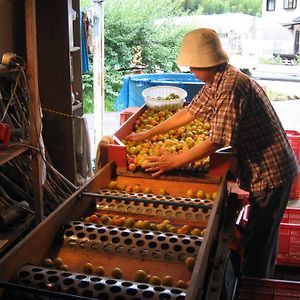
{"x":133,"y":86}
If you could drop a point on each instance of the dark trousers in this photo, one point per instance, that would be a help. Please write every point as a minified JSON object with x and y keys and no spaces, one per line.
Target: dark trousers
{"x":260,"y":237}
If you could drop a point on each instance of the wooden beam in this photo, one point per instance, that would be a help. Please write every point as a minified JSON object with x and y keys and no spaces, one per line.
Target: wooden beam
{"x":35,"y":107}
{"x":98,"y":43}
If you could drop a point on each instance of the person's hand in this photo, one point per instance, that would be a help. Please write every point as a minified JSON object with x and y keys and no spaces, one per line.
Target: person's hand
{"x":137,"y":136}
{"x":160,"y":164}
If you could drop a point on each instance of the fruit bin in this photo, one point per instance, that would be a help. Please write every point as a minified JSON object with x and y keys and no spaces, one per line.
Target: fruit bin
{"x":220,"y":162}
{"x":268,"y":289}
{"x":289,"y":239}
{"x":77,"y":245}
{"x":295,"y":191}
{"x":294,"y":139}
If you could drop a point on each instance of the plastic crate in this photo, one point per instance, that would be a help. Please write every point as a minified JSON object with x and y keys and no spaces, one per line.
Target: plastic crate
{"x":289,"y":239}
{"x":294,"y":139}
{"x":127,"y":113}
{"x":267,"y":289}
{"x":295,"y":191}
{"x":288,"y":253}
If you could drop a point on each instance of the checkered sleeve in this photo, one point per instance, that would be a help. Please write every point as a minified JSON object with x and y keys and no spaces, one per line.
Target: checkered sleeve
{"x":201,"y":105}
{"x":225,"y":119}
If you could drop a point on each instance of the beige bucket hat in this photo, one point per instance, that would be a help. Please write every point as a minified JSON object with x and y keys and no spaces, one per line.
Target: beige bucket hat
{"x":201,"y":48}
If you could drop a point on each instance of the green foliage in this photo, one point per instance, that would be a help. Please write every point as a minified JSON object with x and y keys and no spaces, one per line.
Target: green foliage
{"x":277,"y":60}
{"x":113,"y":84}
{"x":277,"y":96}
{"x":252,"y":7}
{"x":298,"y":60}
{"x":191,"y":5}
{"x":88,"y":89}
{"x":84,"y":4}
{"x":131,"y":23}
{"x":270,"y":60}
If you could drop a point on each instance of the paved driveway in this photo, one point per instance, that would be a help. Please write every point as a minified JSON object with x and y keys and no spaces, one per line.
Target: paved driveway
{"x":289,"y":113}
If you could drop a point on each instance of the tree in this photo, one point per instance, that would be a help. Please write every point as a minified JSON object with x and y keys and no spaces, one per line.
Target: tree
{"x":191,"y":5}
{"x":251,"y":7}
{"x":130,"y":24}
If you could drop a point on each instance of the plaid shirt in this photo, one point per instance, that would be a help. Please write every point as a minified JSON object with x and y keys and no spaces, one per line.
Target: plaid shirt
{"x":242,"y":116}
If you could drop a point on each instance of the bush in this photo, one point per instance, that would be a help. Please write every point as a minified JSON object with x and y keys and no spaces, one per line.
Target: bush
{"x":131,"y":24}
{"x":88,"y":89}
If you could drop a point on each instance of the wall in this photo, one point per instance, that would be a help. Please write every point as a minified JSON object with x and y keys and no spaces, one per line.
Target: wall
{"x":6,"y":35}
{"x":12,"y":27}
{"x":280,"y":15}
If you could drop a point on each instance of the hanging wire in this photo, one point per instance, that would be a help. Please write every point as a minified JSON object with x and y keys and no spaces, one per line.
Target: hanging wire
{"x":10,"y":99}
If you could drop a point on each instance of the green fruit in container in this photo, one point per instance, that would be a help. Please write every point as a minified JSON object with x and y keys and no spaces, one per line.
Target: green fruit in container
{"x":140,"y":276}
{"x":155,"y":280}
{"x":93,"y":219}
{"x":138,"y":224}
{"x":129,"y":222}
{"x":136,"y":188}
{"x":196,"y":231}
{"x":181,"y":284}
{"x":147,"y":190}
{"x":153,"y":226}
{"x":169,"y":228}
{"x":190,"y":262}
{"x":47,"y":263}
{"x":57,"y":262}
{"x":146,"y":224}
{"x":167,"y":222}
{"x":167,"y":281}
{"x":88,"y":268}
{"x":132,"y":167}
{"x":99,"y":271}
{"x":122,"y":186}
{"x":185,"y":229}
{"x":214,"y":195}
{"x":117,"y":273}
{"x":174,"y":229}
{"x":200,"y":194}
{"x":64,"y":268}
{"x":105,"y":219}
{"x":129,"y":189}
{"x":208,"y":196}
{"x":190,"y":193}
{"x":147,"y":279}
{"x":161,"y":227}
{"x":112,"y":185}
{"x":162,"y":191}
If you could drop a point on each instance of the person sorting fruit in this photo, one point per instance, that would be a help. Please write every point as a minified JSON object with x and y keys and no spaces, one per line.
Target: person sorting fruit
{"x":240,"y":115}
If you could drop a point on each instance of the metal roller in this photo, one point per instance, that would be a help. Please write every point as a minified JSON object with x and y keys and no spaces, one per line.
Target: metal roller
{"x":145,"y":244}
{"x":179,"y":208}
{"x":92,"y":286}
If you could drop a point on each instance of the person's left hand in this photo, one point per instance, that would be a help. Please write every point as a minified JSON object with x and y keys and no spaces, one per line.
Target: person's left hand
{"x":160,"y":164}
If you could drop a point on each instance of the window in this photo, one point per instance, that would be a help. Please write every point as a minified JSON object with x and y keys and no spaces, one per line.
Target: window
{"x":270,"y":5}
{"x":287,"y":4}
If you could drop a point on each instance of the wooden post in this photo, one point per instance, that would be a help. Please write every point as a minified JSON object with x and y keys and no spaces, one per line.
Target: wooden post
{"x":35,"y":107}
{"x":98,"y":39}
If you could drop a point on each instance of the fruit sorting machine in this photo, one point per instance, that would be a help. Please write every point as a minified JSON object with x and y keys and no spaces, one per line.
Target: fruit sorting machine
{"x":106,"y":243}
